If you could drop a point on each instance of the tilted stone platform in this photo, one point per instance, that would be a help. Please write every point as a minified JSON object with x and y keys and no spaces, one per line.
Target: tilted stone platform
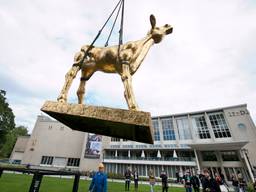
{"x":121,"y":123}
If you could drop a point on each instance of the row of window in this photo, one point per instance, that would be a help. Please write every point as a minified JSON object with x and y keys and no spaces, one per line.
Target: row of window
{"x":143,"y":170}
{"x":199,"y":126}
{"x":226,"y":156}
{"x":50,"y":160}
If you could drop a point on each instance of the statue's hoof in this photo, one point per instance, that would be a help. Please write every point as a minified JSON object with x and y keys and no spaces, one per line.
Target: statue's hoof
{"x":61,"y":100}
{"x":134,"y":108}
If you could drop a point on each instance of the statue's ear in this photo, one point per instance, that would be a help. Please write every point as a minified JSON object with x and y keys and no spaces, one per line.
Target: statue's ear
{"x":152,"y":21}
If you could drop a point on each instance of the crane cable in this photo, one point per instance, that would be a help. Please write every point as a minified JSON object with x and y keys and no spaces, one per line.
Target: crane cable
{"x":120,"y":4}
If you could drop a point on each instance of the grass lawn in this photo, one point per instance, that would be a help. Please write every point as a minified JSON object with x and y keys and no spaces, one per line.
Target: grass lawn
{"x":21,"y":183}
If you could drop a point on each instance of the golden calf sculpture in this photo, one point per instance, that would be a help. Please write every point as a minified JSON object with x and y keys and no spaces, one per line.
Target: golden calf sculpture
{"x":124,"y":60}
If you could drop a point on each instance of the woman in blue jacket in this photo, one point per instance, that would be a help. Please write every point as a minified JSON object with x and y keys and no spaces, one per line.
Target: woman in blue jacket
{"x":99,"y":181}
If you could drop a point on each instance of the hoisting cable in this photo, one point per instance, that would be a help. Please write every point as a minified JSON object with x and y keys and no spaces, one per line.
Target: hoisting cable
{"x":106,"y":44}
{"x":120,"y":33}
{"x":97,"y":36}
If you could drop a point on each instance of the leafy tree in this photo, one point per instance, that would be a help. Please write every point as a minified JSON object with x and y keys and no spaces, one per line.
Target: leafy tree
{"x":11,"y":138}
{"x":6,"y":118}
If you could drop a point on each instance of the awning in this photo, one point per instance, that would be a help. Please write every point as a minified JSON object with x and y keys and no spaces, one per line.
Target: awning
{"x":230,"y":145}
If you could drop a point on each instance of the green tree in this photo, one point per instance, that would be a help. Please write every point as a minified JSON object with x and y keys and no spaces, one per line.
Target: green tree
{"x":11,"y":138}
{"x":6,"y":119}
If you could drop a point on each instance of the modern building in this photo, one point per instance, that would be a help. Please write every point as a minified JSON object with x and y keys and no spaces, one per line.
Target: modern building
{"x":222,"y":140}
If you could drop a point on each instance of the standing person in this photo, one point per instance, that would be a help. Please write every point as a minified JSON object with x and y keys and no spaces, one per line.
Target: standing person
{"x":164,"y":178}
{"x":195,"y":183}
{"x":127,"y":176}
{"x":99,"y":181}
{"x":209,"y":184}
{"x":241,"y":182}
{"x":187,"y":181}
{"x":152,"y":180}
{"x":235,"y":183}
{"x":180,"y":176}
{"x":177,"y":176}
{"x":136,"y":180}
{"x":218,"y":179}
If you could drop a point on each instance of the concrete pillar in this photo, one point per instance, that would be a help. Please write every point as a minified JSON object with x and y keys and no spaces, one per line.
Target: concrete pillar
{"x":192,"y":131}
{"x":160,"y":128}
{"x":208,"y":122}
{"x":175,"y":127}
{"x":248,"y":164}
{"x":197,"y":161}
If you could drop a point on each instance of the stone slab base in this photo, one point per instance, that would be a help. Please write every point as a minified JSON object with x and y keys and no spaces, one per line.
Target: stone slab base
{"x":120,"y":123}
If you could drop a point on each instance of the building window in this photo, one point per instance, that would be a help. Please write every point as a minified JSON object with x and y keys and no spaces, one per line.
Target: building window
{"x":46,"y":160}
{"x":168,"y":129}
{"x":183,"y":128}
{"x":114,"y":139}
{"x":241,"y":126}
{"x":74,"y":162}
{"x":209,"y":156}
{"x":156,"y":130}
{"x":229,"y":156}
{"x":200,"y":127}
{"x":219,"y":125}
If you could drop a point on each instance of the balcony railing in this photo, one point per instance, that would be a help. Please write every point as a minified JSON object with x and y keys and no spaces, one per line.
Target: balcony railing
{"x":150,"y":158}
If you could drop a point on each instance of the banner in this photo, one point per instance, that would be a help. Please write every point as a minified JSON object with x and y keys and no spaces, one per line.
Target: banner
{"x":93,"y":146}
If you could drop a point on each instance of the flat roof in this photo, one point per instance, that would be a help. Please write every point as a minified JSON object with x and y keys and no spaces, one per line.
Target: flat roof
{"x":202,"y":111}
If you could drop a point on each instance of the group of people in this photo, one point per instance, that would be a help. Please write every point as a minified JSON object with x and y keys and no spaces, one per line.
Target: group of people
{"x":209,"y":182}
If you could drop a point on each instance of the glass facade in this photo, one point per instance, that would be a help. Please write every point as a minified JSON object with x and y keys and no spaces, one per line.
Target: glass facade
{"x":229,"y":156}
{"x":183,"y":128}
{"x":168,"y":129}
{"x":209,"y":156}
{"x":219,"y":125}
{"x":200,"y":127}
{"x":156,"y":130}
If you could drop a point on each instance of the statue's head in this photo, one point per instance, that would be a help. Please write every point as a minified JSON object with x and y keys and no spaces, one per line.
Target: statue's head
{"x":158,"y":33}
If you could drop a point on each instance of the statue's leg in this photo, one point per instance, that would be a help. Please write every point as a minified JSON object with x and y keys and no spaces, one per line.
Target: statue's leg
{"x":128,"y":91}
{"x":86,"y":74}
{"x":71,"y":74}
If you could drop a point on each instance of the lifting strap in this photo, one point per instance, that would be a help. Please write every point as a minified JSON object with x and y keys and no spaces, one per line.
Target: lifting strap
{"x":120,"y":4}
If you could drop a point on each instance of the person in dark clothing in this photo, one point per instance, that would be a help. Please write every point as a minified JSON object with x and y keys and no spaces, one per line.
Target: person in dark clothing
{"x":187,"y":181}
{"x":195,"y":183}
{"x":209,"y":184}
{"x":136,"y":180}
{"x":235,"y":183}
{"x":127,"y":176}
{"x":164,"y":178}
{"x":177,"y":176}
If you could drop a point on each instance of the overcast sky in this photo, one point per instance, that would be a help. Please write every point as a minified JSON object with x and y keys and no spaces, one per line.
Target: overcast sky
{"x":209,"y":60}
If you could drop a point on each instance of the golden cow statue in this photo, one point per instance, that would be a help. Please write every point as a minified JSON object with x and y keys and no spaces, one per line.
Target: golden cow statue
{"x":124,"y":60}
